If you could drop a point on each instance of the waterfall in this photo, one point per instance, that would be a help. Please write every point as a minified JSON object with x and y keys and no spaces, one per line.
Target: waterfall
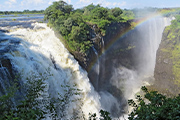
{"x":96,"y":68}
{"x":150,"y":34}
{"x":36,"y":50}
{"x":146,"y":39}
{"x":95,"y":51}
{"x":99,"y":65}
{"x":4,"y":76}
{"x":102,"y":44}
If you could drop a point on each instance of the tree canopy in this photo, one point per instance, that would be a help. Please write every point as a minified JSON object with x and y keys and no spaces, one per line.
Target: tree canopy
{"x":75,"y":25}
{"x":155,"y":106}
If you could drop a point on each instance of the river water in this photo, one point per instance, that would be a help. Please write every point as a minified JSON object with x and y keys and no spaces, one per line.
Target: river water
{"x":33,"y":49}
{"x":28,"y":47}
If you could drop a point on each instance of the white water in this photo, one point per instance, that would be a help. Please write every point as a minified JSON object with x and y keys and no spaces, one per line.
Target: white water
{"x":39,"y":50}
{"x":151,"y":34}
{"x":96,"y":68}
{"x":130,"y":81}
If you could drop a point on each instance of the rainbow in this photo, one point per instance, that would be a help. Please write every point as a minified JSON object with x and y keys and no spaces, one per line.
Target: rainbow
{"x":120,"y":33}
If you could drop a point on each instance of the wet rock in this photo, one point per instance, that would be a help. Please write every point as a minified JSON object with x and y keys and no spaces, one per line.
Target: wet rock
{"x":4,"y":31}
{"x":166,"y":69}
{"x":166,"y":61}
{"x":7,"y":64}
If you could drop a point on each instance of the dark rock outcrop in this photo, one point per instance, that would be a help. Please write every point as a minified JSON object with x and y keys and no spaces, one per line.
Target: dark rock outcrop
{"x":6,"y":74}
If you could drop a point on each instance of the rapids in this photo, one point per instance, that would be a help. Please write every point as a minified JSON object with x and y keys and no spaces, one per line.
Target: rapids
{"x":36,"y":49}
{"x":32,"y":48}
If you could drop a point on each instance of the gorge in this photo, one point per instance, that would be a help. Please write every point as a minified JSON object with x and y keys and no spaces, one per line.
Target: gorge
{"x":118,"y":64}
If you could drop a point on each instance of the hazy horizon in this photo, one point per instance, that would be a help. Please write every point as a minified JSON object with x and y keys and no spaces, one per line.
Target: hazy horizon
{"x":20,"y":5}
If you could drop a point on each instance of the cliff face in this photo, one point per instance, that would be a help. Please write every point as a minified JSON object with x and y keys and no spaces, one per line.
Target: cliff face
{"x":117,"y":52}
{"x":101,"y":43}
{"x":167,"y":69}
{"x":122,"y":57}
{"x":107,"y":53}
{"x":112,"y":52}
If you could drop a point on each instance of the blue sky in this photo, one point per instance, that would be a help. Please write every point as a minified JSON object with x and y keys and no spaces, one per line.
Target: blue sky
{"x":13,"y":5}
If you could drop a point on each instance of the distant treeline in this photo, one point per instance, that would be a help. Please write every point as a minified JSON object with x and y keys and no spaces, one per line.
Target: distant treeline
{"x":169,"y":12}
{"x":22,"y":12}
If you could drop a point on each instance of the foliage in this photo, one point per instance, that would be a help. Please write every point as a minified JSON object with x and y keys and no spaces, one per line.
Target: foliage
{"x":116,"y":12}
{"x":127,"y":14}
{"x":70,"y":25}
{"x":169,"y":12}
{"x":104,"y":115}
{"x":155,"y":106}
{"x":173,"y":36}
{"x":33,"y":105}
{"x":62,"y":103}
{"x":75,"y":25}
{"x":99,"y":13}
{"x":28,"y":107}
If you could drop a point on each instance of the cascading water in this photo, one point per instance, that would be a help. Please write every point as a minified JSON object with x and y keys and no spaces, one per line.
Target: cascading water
{"x":37,"y":49}
{"x":5,"y":76}
{"x":120,"y":83}
{"x":103,"y":56}
{"x":102,"y":44}
{"x":34,"y":48}
{"x":146,"y":39}
{"x":149,"y":40}
{"x":97,"y":69}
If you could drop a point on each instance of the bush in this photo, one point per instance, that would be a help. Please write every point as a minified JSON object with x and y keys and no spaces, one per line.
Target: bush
{"x":155,"y":106}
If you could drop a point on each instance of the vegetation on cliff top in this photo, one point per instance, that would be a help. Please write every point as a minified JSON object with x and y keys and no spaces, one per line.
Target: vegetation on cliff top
{"x":155,"y":106}
{"x":75,"y":25}
{"x":169,"y":12}
{"x":173,"y":48}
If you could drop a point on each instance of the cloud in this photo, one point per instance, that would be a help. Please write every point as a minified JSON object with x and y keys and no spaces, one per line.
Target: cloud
{"x":13,"y":1}
{"x":9,"y":5}
{"x":104,"y":3}
{"x":85,"y":1}
{"x":30,"y":2}
{"x":112,"y":4}
{"x":51,"y":1}
{"x":10,"y":2}
{"x":82,"y":3}
{"x":69,"y":1}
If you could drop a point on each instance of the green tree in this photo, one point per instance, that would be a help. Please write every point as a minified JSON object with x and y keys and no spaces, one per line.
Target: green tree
{"x":155,"y":106}
{"x":75,"y":25}
{"x":116,"y":12}
{"x":100,"y":13}
{"x":31,"y":107}
{"x":28,"y":107}
{"x":57,"y":9}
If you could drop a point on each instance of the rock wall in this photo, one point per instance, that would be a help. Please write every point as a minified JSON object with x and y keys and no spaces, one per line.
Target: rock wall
{"x":112,"y":53}
{"x":167,"y":69}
